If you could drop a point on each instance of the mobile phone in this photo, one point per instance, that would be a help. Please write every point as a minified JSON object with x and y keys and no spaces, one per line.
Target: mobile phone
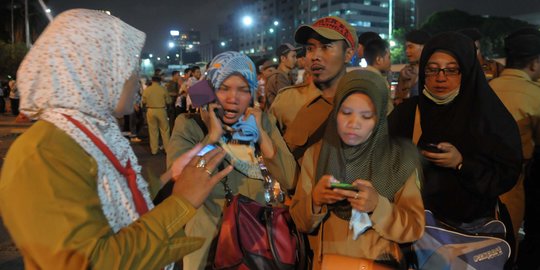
{"x":431,"y":147}
{"x":344,"y":186}
{"x":201,"y":93}
{"x":206,"y":149}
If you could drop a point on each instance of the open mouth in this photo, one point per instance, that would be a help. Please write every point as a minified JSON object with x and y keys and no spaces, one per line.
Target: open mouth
{"x":316,"y":69}
{"x":230,"y":114}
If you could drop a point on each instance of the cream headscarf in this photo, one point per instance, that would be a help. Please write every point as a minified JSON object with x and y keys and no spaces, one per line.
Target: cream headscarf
{"x":78,"y":67}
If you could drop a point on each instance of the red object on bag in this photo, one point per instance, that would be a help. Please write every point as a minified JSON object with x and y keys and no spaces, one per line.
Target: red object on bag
{"x":254,"y":236}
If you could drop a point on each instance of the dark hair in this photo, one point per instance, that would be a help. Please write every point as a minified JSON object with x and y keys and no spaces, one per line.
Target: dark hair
{"x":156,"y":78}
{"x":374,"y":49}
{"x":366,"y":37}
{"x":175,"y":72}
{"x":193,"y":68}
{"x":187,"y":70}
{"x":519,"y":62}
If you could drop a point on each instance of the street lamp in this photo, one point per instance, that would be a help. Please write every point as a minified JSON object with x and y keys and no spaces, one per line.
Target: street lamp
{"x":223,"y":44}
{"x":276,"y":23}
{"x":150,"y":55}
{"x":171,"y":44}
{"x":247,"y":20}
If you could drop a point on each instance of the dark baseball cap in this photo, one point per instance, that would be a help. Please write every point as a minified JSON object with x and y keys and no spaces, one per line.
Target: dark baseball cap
{"x":285,"y":48}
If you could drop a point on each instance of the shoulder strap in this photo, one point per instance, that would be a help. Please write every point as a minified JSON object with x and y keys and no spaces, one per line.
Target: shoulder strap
{"x":127,"y":172}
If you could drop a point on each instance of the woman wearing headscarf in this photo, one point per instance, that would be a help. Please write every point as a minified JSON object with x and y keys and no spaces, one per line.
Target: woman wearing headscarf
{"x":469,"y":139}
{"x":242,"y":130}
{"x":71,"y":193}
{"x":387,"y":208}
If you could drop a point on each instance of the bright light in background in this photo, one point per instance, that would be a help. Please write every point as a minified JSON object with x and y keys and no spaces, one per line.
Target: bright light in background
{"x":158,"y":58}
{"x":392,"y":43}
{"x":247,"y":20}
{"x":363,"y":63}
{"x":276,"y":23}
{"x":190,"y":46}
{"x":150,"y":55}
{"x":223,"y":44}
{"x":271,"y":30}
{"x":177,"y":55}
{"x":48,"y":10}
{"x":107,"y":12}
{"x":168,"y":57}
{"x":274,"y":59}
{"x":174,"y":33}
{"x":171,"y":44}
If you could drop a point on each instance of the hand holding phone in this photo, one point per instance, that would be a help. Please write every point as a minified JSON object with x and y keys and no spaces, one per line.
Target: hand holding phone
{"x":431,"y":147}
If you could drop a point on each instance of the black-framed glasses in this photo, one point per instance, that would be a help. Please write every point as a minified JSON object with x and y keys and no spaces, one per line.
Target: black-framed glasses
{"x":446,"y":71}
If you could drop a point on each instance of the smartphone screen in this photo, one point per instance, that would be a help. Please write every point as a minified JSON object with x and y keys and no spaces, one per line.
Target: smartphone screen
{"x":431,"y":147}
{"x":206,"y":149}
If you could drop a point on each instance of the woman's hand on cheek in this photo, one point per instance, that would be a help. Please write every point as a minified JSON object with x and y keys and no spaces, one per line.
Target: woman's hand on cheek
{"x":212,"y":122}
{"x":257,"y":113}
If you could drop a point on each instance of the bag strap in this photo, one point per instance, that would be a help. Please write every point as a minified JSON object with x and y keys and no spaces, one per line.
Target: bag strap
{"x":300,"y":252}
{"x":127,"y":172}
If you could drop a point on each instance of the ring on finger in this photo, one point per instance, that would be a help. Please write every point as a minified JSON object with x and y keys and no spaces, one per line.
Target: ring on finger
{"x":208,"y":172}
{"x":356,"y":196}
{"x":201,"y":163}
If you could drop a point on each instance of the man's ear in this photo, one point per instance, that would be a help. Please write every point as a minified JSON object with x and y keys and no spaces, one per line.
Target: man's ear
{"x":349,"y":53}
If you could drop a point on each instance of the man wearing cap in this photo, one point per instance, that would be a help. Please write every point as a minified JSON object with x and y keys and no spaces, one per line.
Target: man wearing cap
{"x":519,"y":90}
{"x":301,"y":110}
{"x":281,"y":77}
{"x":408,"y":76}
{"x":492,"y":69}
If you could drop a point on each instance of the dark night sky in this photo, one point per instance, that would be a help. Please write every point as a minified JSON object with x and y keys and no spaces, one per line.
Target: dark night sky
{"x":157,"y":17}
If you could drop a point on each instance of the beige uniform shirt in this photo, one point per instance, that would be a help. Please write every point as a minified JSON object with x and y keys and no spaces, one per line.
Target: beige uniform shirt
{"x":521,"y":96}
{"x":155,"y":96}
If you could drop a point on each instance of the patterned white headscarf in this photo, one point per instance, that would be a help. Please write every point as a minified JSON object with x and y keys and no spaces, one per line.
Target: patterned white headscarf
{"x":78,"y":67}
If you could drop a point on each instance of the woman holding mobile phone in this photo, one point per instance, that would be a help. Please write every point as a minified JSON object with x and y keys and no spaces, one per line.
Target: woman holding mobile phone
{"x":386,"y":209}
{"x":245,"y":132}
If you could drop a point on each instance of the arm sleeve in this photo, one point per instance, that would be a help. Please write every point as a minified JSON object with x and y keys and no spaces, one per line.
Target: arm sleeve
{"x":301,"y":208}
{"x":58,"y":221}
{"x":283,"y":165}
{"x":186,"y":134}
{"x":403,"y":220}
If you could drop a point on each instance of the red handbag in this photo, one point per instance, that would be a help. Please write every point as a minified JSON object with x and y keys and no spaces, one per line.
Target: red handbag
{"x":254,"y":236}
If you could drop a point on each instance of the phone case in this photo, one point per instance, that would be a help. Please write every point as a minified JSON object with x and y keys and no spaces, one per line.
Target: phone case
{"x":344,"y":186}
{"x":201,"y":93}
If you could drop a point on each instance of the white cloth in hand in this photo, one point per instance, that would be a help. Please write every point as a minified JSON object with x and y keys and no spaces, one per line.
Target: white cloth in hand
{"x":359,"y":223}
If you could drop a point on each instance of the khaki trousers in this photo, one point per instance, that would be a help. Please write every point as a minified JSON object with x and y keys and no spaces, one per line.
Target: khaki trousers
{"x":157,"y":123}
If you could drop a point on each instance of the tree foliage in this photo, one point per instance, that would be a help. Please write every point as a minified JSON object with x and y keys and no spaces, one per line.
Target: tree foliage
{"x":493,"y":29}
{"x":11,"y":57}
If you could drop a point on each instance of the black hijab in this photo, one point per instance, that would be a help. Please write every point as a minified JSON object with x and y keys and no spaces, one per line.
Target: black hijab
{"x":387,"y":163}
{"x":477,"y":123}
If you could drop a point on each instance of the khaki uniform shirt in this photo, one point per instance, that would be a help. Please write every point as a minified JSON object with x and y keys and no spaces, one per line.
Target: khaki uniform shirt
{"x":521,"y":96}
{"x":50,"y":205}
{"x":155,"y":96}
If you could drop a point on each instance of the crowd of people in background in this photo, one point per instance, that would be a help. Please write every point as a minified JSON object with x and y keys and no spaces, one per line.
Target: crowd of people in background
{"x":459,"y":136}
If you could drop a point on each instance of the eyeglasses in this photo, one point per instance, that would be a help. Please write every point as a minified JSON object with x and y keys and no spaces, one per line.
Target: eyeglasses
{"x":446,"y":71}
